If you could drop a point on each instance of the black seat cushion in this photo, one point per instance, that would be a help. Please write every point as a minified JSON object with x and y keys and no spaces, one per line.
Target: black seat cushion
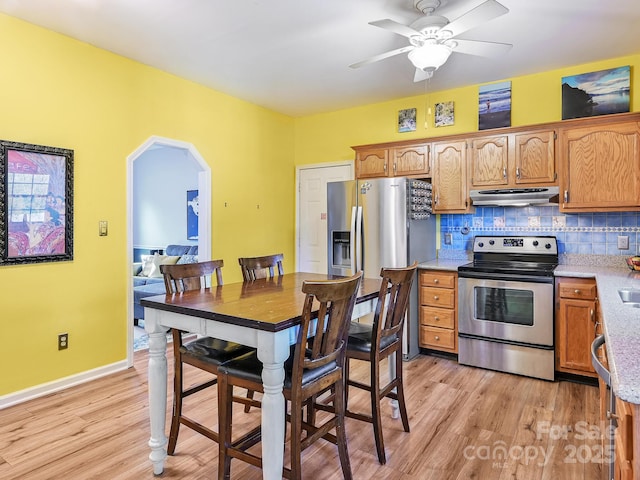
{"x":360,"y":335}
{"x":249,"y":368}
{"x":214,"y":350}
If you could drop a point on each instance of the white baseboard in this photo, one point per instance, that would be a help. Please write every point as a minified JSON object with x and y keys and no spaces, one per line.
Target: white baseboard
{"x":61,"y":384}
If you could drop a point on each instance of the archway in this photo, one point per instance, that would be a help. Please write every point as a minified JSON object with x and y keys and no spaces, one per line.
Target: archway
{"x":204,"y":218}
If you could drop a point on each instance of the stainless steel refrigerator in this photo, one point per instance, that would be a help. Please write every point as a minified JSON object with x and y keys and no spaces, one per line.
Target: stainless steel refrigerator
{"x":377,"y":223}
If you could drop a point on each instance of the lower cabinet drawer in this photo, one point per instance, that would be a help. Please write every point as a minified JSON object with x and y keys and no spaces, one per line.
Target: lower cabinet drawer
{"x":437,"y":317}
{"x":437,"y":337}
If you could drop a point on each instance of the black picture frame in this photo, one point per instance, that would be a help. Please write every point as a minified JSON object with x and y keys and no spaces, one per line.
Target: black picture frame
{"x":36,"y":203}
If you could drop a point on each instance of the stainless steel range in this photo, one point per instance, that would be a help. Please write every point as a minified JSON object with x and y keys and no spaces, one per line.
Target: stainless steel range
{"x":506,"y":305}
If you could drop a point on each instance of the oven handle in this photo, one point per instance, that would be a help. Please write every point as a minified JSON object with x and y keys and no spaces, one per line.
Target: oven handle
{"x":601,"y":370}
{"x":507,"y":278}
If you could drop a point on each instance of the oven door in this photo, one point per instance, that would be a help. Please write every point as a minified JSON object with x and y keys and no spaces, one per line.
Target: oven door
{"x":506,"y":310}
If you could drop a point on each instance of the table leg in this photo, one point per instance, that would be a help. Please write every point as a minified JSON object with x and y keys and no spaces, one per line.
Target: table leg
{"x":273,"y":350}
{"x":157,"y":390}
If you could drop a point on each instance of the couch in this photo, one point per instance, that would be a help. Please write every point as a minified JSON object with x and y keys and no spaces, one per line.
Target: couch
{"x":147,"y":278}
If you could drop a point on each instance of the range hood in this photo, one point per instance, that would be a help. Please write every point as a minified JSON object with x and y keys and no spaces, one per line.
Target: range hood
{"x":515,"y":197}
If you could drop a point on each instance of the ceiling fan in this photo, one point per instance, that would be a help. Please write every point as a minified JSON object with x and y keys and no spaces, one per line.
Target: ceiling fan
{"x":433,"y":38}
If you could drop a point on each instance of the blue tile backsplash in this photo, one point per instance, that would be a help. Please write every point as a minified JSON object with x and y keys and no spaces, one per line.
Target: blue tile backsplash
{"x":584,"y":233}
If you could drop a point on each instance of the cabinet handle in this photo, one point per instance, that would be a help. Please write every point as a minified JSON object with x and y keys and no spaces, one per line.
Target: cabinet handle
{"x":566,"y":196}
{"x":435,"y":200}
{"x":504,"y":173}
{"x":435,"y":280}
{"x":596,"y":327}
{"x":436,"y":337}
{"x":436,"y":297}
{"x":384,"y":167}
{"x":518,"y":172}
{"x":592,"y":315}
{"x":394,"y":168}
{"x":612,"y":416}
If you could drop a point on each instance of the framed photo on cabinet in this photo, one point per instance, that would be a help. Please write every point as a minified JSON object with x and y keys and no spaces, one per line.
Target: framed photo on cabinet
{"x":36,"y":203}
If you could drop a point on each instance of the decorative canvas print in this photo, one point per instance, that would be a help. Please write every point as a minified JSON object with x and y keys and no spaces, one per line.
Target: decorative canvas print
{"x":407,"y":120}
{"x":596,"y":93}
{"x":192,"y":214}
{"x":36,"y":203}
{"x":444,"y":114}
{"x":494,"y":108}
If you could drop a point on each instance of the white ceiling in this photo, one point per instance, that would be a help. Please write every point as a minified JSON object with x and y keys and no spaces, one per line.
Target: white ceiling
{"x":293,"y":56}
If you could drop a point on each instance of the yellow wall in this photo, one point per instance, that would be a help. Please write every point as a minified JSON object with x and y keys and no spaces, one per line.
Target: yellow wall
{"x":534,"y":99}
{"x":56,"y":91}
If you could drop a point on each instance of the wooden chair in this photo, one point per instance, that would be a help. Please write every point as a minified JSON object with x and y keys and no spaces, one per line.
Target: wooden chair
{"x":374,"y":342}
{"x":205,"y":353}
{"x":254,"y":268}
{"x":317,"y":363}
{"x":261,"y":267}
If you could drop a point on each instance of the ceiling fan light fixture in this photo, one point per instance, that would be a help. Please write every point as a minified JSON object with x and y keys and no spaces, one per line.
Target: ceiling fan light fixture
{"x":430,"y":56}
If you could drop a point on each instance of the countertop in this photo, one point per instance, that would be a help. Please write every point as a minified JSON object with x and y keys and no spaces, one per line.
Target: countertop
{"x":621,"y":324}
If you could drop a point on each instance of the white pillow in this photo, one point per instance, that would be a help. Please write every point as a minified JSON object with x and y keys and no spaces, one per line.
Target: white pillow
{"x":147,"y":265}
{"x":161,"y":260}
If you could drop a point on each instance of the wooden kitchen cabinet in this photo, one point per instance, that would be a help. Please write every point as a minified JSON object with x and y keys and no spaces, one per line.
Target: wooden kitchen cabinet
{"x":600,"y":165}
{"x":576,"y":325}
{"x":392,"y":161}
{"x":450,"y":193}
{"x":513,"y":160}
{"x":438,"y":310}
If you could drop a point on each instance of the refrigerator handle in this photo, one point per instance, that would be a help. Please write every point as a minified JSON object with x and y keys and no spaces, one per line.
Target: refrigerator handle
{"x":359,"y":255}
{"x":352,"y":242}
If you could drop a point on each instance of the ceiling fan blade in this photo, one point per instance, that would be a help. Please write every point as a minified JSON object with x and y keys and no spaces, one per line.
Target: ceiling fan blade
{"x":480,"y":48}
{"x":395,"y":27}
{"x":421,"y":75}
{"x":382,"y":56}
{"x":484,"y":12}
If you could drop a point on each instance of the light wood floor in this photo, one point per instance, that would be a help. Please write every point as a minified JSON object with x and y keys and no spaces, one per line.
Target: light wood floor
{"x":461,"y":420}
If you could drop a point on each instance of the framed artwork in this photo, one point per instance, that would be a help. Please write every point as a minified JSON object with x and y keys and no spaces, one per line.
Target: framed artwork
{"x":192,"y":214}
{"x":596,"y":93}
{"x":494,"y":105}
{"x":36,"y":203}
{"x":407,"y":120}
{"x":444,"y":114}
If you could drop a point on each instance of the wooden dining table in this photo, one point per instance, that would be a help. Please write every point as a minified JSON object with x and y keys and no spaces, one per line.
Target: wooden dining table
{"x":263,"y":314}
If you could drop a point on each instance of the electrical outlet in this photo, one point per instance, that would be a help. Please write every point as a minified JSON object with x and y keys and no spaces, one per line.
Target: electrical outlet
{"x":447,"y":239}
{"x":623,"y":242}
{"x":63,"y":341}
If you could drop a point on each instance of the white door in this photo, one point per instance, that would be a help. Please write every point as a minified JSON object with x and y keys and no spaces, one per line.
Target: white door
{"x":312,"y":213}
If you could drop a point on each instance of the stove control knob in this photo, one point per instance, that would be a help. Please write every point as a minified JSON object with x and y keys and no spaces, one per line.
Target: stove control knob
{"x":535,"y":243}
{"x":481,"y":244}
{"x":491,"y":242}
{"x":547,"y":246}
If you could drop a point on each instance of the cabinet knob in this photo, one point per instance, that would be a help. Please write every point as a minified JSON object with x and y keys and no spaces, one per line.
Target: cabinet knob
{"x":435,"y":280}
{"x":437,"y":319}
{"x":436,"y":297}
{"x":576,"y":291}
{"x":437,"y":337}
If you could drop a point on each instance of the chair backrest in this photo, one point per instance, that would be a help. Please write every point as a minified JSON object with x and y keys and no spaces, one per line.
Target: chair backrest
{"x":191,"y":276}
{"x":261,"y":267}
{"x":324,"y":345}
{"x":393,"y":300}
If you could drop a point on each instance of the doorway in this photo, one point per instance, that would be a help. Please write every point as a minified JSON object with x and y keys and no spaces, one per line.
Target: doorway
{"x":311,"y":202}
{"x":160,"y":147}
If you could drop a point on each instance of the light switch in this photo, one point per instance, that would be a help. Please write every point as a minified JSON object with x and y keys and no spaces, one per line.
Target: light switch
{"x":103,"y":228}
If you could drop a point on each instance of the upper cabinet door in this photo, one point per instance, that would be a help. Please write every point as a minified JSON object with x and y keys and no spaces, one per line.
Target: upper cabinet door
{"x":372,"y":163}
{"x":450,"y":177}
{"x":600,"y":167}
{"x":412,"y":160}
{"x":489,"y":161}
{"x":534,"y":158}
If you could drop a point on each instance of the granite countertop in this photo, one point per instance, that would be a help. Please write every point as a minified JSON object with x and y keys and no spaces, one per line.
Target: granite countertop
{"x":450,"y":264}
{"x":621,"y":324}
